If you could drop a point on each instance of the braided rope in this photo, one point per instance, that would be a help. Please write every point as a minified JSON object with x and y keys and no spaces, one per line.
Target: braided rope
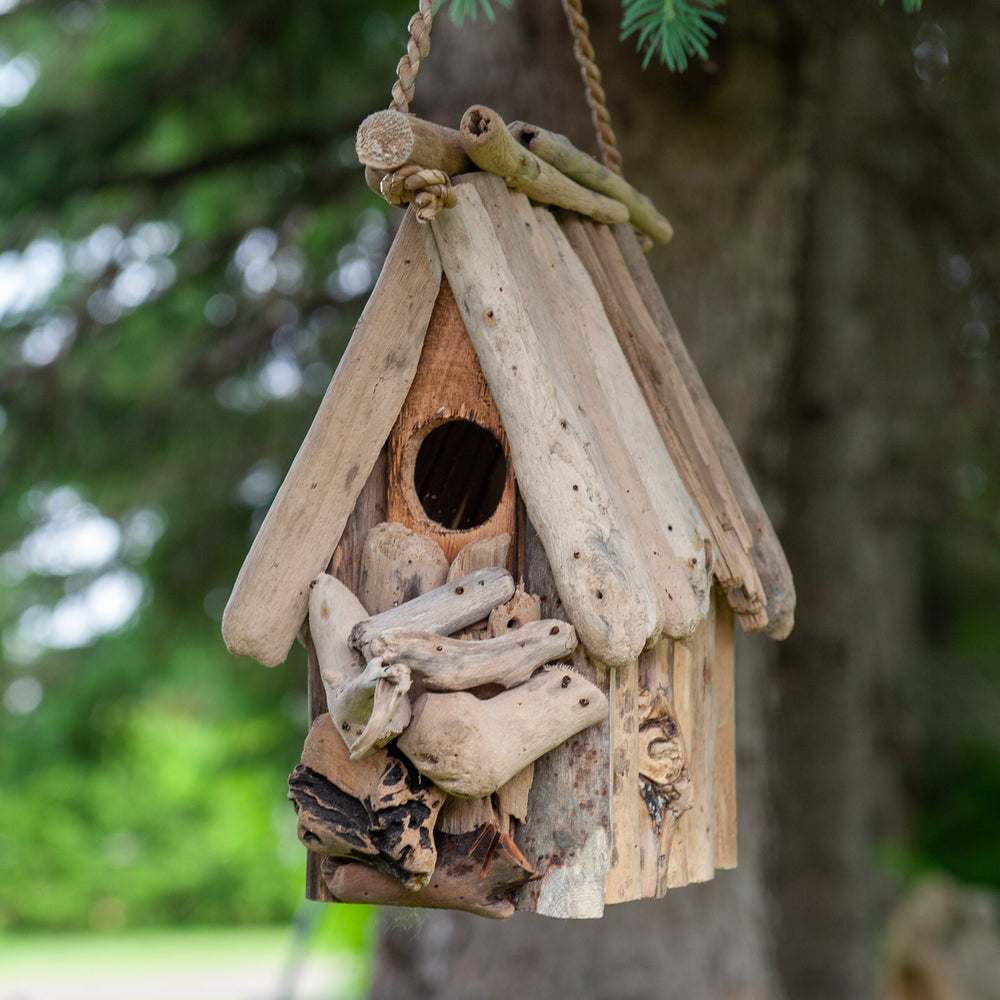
{"x":417,"y":48}
{"x":428,"y":190}
{"x":594,"y":92}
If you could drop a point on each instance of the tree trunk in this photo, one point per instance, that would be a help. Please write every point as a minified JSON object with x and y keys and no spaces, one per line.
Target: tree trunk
{"x":801,"y":280}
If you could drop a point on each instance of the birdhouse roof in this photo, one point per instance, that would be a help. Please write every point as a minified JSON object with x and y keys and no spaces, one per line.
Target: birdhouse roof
{"x":627,"y":472}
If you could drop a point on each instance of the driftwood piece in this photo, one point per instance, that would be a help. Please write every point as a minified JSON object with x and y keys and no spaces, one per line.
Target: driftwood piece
{"x":470,"y":747}
{"x":387,"y":140}
{"x":294,"y":544}
{"x":569,"y":837}
{"x":675,"y":415}
{"x":398,"y":564}
{"x":370,"y":509}
{"x":664,"y":775}
{"x":380,"y":810}
{"x":692,"y":856}
{"x":677,"y":542}
{"x":458,"y":664}
{"x":492,"y":148}
{"x":442,"y":611}
{"x":604,"y":583}
{"x":724,"y":683}
{"x":480,"y":554}
{"x":558,"y":151}
{"x":366,"y":701}
{"x":768,"y":556}
{"x":476,"y":871}
{"x":463,"y":475}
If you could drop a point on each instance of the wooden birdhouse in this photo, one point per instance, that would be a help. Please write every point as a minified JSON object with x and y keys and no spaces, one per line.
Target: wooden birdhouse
{"x":513,"y":543}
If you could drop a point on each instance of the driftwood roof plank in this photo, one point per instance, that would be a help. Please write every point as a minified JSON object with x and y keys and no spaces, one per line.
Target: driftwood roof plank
{"x":768,"y":556}
{"x":603,"y":580}
{"x":270,"y":598}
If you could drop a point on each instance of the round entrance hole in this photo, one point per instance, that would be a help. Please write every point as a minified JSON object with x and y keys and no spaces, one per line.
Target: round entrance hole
{"x":459,"y":475}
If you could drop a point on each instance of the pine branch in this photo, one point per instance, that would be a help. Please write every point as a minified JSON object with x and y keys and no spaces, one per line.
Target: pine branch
{"x":673,"y":30}
{"x":459,"y":10}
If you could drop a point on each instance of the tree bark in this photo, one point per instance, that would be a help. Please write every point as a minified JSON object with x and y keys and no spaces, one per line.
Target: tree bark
{"x":804,"y":277}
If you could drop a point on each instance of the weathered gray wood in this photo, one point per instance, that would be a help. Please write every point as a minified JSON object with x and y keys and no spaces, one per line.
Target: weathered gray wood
{"x":767,"y":554}
{"x":677,"y":542}
{"x":492,"y":148}
{"x":480,"y":554}
{"x":443,"y":610}
{"x":390,"y":139}
{"x":568,"y":839}
{"x":294,"y":544}
{"x":603,"y":580}
{"x":457,"y":664}
{"x":470,"y":747}
{"x":398,"y":564}
{"x":558,"y":151}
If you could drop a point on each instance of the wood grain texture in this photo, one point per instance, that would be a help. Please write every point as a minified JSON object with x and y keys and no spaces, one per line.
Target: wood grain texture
{"x":449,"y":385}
{"x":398,"y":564}
{"x":676,"y":539}
{"x":724,"y":677}
{"x":305,"y":521}
{"x":390,"y":139}
{"x":567,"y":834}
{"x":769,"y":558}
{"x":692,"y":856}
{"x":558,"y":151}
{"x":603,"y":580}
{"x":492,"y":148}
{"x":673,"y":411}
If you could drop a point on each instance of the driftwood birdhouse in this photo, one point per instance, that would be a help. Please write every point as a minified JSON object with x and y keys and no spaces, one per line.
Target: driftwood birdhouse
{"x":513,"y":543}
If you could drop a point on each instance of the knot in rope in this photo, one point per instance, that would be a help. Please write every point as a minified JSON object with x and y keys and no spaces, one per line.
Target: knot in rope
{"x":428,"y":190}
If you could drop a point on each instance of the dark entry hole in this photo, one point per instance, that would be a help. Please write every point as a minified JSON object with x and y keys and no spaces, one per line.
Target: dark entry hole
{"x":459,"y":474}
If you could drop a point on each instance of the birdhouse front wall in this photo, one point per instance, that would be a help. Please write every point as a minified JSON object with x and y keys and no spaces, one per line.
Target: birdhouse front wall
{"x":626,"y":808}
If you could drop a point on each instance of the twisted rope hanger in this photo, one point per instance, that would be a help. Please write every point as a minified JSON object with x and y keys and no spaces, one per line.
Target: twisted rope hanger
{"x":593,"y":91}
{"x":428,"y":190}
{"x":431,"y":190}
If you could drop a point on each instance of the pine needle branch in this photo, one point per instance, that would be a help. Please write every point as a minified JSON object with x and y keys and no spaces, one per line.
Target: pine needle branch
{"x":459,"y":10}
{"x":673,"y":30}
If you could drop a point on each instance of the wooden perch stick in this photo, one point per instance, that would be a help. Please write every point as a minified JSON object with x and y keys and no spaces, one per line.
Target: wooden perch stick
{"x":492,"y":148}
{"x":470,"y":747}
{"x":442,"y":611}
{"x":458,"y":664}
{"x":388,"y":140}
{"x":558,"y":151}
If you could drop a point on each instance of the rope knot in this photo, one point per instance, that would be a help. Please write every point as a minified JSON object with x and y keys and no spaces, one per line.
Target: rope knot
{"x":428,"y":190}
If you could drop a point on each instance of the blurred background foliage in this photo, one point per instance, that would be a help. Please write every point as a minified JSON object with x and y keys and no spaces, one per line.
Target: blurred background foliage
{"x":185,"y":243}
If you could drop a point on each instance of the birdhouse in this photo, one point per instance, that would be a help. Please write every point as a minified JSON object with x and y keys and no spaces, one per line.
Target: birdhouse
{"x":514,"y":543}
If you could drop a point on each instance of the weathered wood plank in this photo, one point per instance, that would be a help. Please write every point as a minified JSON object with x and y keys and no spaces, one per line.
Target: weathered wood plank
{"x":677,"y":539}
{"x":692,"y":858}
{"x":674,"y":413}
{"x":724,"y":676}
{"x":768,"y":556}
{"x":603,"y":581}
{"x":625,"y":875}
{"x":663,"y":767}
{"x":305,"y":521}
{"x":567,"y":836}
